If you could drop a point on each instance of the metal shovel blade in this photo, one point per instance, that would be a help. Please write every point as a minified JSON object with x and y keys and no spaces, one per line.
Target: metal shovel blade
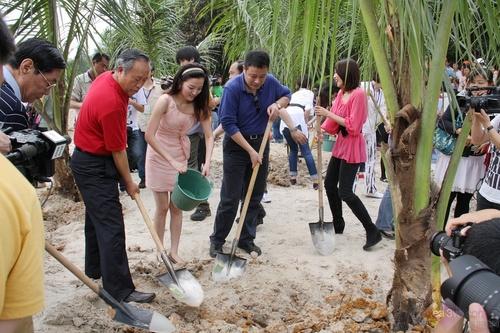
{"x":227,"y":267}
{"x":188,"y":290}
{"x":323,"y":237}
{"x":145,"y":319}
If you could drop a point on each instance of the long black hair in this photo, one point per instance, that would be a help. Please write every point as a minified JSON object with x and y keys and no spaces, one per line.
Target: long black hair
{"x":200,"y":102}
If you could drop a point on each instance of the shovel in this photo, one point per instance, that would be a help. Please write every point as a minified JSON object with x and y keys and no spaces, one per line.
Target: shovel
{"x":121,"y":312}
{"x":321,"y":232}
{"x":181,"y":283}
{"x":228,"y":266}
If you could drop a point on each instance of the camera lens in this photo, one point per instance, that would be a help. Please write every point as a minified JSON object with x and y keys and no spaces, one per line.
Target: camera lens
{"x":474,"y":282}
{"x":438,"y":241}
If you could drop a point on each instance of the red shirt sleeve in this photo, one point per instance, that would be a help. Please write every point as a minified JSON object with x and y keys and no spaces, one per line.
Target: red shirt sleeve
{"x":114,"y":129}
{"x":358,"y":111}
{"x":331,"y":126}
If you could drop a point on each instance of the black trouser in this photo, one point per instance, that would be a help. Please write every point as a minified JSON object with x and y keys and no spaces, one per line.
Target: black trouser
{"x":105,"y":254}
{"x":237,"y":170}
{"x":341,"y":173}
{"x":462,"y":206}
{"x":483,"y":203}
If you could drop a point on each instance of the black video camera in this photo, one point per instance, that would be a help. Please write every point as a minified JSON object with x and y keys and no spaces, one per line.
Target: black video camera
{"x":452,"y":247}
{"x":33,"y":152}
{"x":489,"y":103}
{"x":473,"y":282}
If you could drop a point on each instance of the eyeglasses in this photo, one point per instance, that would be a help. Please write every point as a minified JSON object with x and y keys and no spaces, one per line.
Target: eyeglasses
{"x":49,"y":85}
{"x":256,"y":102}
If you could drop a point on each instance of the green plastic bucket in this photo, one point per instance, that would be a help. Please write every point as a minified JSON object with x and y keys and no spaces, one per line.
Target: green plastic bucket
{"x":190,"y":189}
{"x":328,"y":143}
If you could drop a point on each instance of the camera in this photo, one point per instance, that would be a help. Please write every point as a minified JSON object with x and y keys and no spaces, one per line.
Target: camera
{"x":473,"y":282}
{"x":33,"y":152}
{"x":166,"y":82}
{"x":452,"y":247}
{"x":489,"y":103}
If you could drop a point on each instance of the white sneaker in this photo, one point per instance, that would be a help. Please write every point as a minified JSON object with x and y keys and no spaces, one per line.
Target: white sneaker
{"x":376,"y":195}
{"x":266,"y":198}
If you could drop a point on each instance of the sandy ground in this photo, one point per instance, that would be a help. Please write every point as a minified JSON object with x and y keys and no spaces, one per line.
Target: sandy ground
{"x":290,"y":288}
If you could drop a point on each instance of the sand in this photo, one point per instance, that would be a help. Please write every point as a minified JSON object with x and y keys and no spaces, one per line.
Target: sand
{"x":289,"y":288}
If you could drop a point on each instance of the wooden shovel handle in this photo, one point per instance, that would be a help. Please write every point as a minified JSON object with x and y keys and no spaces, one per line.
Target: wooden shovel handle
{"x":149,"y":223}
{"x":320,"y":166}
{"x":251,"y":185}
{"x":71,"y":267}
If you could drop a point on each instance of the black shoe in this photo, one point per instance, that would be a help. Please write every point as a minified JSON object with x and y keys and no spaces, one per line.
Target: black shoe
{"x":142,"y":184}
{"x":139,"y":297}
{"x":372,"y":238}
{"x":389,"y":234}
{"x":201,"y":212}
{"x":339,"y":226}
{"x":214,"y":249}
{"x":260,"y":220}
{"x":250,"y":247}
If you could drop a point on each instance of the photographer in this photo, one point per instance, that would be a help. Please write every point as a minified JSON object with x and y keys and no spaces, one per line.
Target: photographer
{"x":21,"y":235}
{"x":29,"y":75}
{"x":481,"y":240}
{"x":484,"y":130}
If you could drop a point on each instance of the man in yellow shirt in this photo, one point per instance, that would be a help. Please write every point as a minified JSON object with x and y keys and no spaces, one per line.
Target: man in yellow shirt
{"x":21,"y":237}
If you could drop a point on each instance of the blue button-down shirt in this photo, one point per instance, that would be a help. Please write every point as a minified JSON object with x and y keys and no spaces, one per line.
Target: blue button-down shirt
{"x":238,"y":112}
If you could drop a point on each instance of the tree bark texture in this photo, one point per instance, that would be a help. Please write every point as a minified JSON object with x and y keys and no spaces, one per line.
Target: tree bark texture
{"x":411,"y":291}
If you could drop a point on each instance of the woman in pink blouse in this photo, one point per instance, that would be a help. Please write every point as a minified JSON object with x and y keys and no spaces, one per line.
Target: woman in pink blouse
{"x":346,"y":119}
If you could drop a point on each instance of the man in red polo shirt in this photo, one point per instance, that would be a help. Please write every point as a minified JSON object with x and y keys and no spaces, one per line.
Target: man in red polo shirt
{"x":98,"y":162}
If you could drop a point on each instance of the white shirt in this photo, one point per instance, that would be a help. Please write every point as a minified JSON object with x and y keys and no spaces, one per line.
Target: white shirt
{"x":490,"y":189}
{"x":304,"y":97}
{"x":139,"y":97}
{"x":375,"y":99}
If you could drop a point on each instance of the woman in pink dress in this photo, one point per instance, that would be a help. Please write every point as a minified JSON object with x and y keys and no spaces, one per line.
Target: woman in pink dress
{"x":346,"y":119}
{"x":173,"y":115}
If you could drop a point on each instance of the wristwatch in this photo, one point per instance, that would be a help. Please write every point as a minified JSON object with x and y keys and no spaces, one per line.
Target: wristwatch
{"x":489,"y":128}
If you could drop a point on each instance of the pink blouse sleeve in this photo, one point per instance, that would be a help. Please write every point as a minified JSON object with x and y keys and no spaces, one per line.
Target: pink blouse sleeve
{"x":331,"y":126}
{"x":358,"y":112}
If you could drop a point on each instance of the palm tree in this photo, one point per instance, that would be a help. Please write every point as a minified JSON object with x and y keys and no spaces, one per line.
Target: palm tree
{"x":43,"y":18}
{"x":407,"y":42}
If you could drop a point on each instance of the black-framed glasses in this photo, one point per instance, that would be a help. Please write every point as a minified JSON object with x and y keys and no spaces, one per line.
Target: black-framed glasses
{"x":256,"y":103}
{"x":49,"y":85}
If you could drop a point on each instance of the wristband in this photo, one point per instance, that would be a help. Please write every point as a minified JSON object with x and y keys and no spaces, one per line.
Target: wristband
{"x":489,"y":128}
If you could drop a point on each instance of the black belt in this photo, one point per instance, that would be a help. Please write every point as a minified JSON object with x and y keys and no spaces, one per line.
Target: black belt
{"x":91,"y":154}
{"x":253,"y":136}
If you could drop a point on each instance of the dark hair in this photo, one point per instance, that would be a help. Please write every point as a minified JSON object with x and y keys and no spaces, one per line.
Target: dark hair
{"x":187,"y":53}
{"x":200,"y":102}
{"x":326,"y":95}
{"x":376,"y":77}
{"x":7,"y":46}
{"x":348,"y":71}
{"x":302,"y":82}
{"x":256,"y":58}
{"x":99,"y":56}
{"x":46,"y":57}
{"x":479,"y":70}
{"x":239,"y":65}
{"x":483,"y":242}
{"x":127,"y":58}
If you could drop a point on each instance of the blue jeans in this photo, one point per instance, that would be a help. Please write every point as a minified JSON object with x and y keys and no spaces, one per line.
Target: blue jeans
{"x":134,"y":151}
{"x":385,"y":218}
{"x":293,"y":156}
{"x":215,"y":120}
{"x":276,"y":131}
{"x":141,"y":162}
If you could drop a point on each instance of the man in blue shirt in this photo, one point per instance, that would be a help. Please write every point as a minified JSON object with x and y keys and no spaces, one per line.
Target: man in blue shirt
{"x":249,"y":101}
